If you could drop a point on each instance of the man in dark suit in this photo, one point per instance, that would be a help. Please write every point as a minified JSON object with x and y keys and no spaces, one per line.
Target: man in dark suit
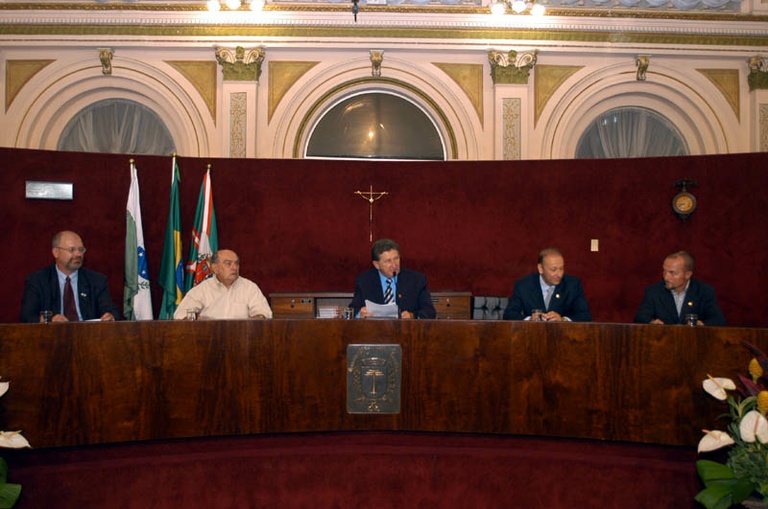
{"x":668,"y":301}
{"x":557,"y":295}
{"x":54,"y":288}
{"x":388,"y":282}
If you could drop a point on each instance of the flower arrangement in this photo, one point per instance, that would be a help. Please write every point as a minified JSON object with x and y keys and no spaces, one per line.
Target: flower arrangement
{"x":743,"y":478}
{"x":9,"y":492}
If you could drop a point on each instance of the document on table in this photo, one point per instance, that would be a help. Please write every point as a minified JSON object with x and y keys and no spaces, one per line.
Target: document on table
{"x":381,"y":310}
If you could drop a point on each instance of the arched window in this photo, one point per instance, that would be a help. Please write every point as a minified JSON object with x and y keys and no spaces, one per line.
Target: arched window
{"x":117,"y":126}
{"x":630,"y":132}
{"x":376,"y":126}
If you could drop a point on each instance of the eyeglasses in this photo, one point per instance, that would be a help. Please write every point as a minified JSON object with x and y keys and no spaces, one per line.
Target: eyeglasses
{"x":72,"y":250}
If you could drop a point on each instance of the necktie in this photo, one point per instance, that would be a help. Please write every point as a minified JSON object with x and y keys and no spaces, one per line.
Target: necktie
{"x":548,"y":297}
{"x":388,"y":292}
{"x":70,"y":309}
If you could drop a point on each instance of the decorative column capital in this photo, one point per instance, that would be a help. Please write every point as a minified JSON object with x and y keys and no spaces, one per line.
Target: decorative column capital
{"x":758,"y":73}
{"x":241,"y":64}
{"x":511,"y":67}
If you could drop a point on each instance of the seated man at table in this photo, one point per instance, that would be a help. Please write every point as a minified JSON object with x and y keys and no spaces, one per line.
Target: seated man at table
{"x":387,"y":282}
{"x":225,"y":295}
{"x":68,"y":290}
{"x":678,"y":294}
{"x":559,"y":296}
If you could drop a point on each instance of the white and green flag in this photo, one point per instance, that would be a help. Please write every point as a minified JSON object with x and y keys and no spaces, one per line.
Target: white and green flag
{"x":137,"y":298}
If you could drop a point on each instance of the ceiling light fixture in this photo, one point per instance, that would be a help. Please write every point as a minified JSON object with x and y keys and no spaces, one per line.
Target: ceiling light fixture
{"x":235,"y":5}
{"x":501,"y":7}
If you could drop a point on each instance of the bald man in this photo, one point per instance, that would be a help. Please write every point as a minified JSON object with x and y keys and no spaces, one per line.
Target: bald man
{"x":48,"y":288}
{"x":226,"y":295}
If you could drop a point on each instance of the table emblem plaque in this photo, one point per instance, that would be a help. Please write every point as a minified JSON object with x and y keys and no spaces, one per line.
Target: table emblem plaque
{"x":373,"y":379}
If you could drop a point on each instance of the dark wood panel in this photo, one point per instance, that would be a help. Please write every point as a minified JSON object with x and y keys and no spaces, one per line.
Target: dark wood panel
{"x":91,"y":383}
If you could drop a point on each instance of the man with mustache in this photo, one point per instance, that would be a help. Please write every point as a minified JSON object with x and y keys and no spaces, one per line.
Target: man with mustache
{"x":68,"y":290}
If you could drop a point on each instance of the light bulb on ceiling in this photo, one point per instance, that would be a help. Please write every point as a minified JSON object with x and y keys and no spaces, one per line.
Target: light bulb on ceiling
{"x":518,"y":6}
{"x":498,"y":8}
{"x":256,"y":5}
{"x":538,"y":10}
{"x":233,"y":5}
{"x":214,"y":5}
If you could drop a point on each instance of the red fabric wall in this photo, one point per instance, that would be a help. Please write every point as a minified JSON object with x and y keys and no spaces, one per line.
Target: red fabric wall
{"x":469,"y":225}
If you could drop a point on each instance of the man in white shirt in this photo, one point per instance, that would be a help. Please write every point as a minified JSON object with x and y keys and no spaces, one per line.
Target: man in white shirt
{"x":226,"y":295}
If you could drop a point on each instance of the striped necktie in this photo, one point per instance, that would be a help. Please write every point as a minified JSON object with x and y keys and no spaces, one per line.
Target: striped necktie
{"x":388,"y":292}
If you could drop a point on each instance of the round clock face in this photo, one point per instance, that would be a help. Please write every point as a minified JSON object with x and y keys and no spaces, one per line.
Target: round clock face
{"x":684,"y":203}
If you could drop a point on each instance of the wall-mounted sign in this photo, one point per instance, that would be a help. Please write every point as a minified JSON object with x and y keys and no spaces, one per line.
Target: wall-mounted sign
{"x":37,"y":190}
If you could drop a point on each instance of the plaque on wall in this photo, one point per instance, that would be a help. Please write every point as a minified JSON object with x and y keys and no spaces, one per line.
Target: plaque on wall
{"x":373,"y":379}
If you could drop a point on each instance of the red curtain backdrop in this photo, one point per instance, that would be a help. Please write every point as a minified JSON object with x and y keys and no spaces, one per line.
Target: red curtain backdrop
{"x":469,"y":225}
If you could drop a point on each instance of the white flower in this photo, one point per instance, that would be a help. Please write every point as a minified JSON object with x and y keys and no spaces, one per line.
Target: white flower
{"x":753,"y":426}
{"x":717,"y":387}
{"x":714,"y":440}
{"x":13,"y":440}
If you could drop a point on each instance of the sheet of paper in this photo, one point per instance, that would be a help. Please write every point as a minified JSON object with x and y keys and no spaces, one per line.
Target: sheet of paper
{"x":382,"y":310}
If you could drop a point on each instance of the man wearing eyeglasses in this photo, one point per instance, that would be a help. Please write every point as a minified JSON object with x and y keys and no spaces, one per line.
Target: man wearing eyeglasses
{"x":68,"y":290}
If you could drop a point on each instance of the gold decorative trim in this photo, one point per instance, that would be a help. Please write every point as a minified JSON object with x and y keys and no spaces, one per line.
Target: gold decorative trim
{"x":511,"y":128}
{"x":727,"y":82}
{"x":707,"y":15}
{"x":202,"y":76}
{"x":18,"y":73}
{"x":547,"y":79}
{"x":238,"y":118}
{"x":607,"y":36}
{"x":469,"y":77}
{"x":282,"y":76}
{"x":322,"y":102}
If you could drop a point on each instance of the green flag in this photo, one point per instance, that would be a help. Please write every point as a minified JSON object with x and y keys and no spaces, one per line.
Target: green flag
{"x":171,"y":266}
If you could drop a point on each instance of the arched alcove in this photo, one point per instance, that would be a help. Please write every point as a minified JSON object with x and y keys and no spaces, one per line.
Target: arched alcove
{"x":440,"y":101}
{"x":375,"y":126}
{"x":630,"y":132}
{"x":117,"y":126}
{"x":64,"y":89}
{"x":703,"y":122}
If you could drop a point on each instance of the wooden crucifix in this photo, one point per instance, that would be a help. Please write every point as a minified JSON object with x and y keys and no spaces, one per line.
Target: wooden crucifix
{"x":370,"y":196}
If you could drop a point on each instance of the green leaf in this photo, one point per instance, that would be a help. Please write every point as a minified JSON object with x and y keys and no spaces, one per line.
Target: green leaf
{"x":717,"y":496}
{"x":711,"y":471}
{"x":9,"y":494}
{"x":3,"y":471}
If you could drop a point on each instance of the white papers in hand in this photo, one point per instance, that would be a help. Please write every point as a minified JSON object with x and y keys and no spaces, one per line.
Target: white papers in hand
{"x":381,"y":310}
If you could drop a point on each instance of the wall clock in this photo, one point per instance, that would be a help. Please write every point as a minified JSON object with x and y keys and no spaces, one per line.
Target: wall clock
{"x":684,"y":203}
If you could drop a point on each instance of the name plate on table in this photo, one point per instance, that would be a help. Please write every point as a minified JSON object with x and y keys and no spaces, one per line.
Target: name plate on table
{"x":374,"y":379}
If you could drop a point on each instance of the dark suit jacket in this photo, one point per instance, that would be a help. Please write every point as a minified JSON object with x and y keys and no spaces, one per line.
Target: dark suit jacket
{"x":568,"y":299}
{"x":659,"y":303}
{"x":41,"y":292}
{"x":412,"y":292}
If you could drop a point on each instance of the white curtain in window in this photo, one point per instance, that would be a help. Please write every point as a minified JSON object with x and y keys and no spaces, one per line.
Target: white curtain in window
{"x":117,"y":126}
{"x":630,"y":132}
